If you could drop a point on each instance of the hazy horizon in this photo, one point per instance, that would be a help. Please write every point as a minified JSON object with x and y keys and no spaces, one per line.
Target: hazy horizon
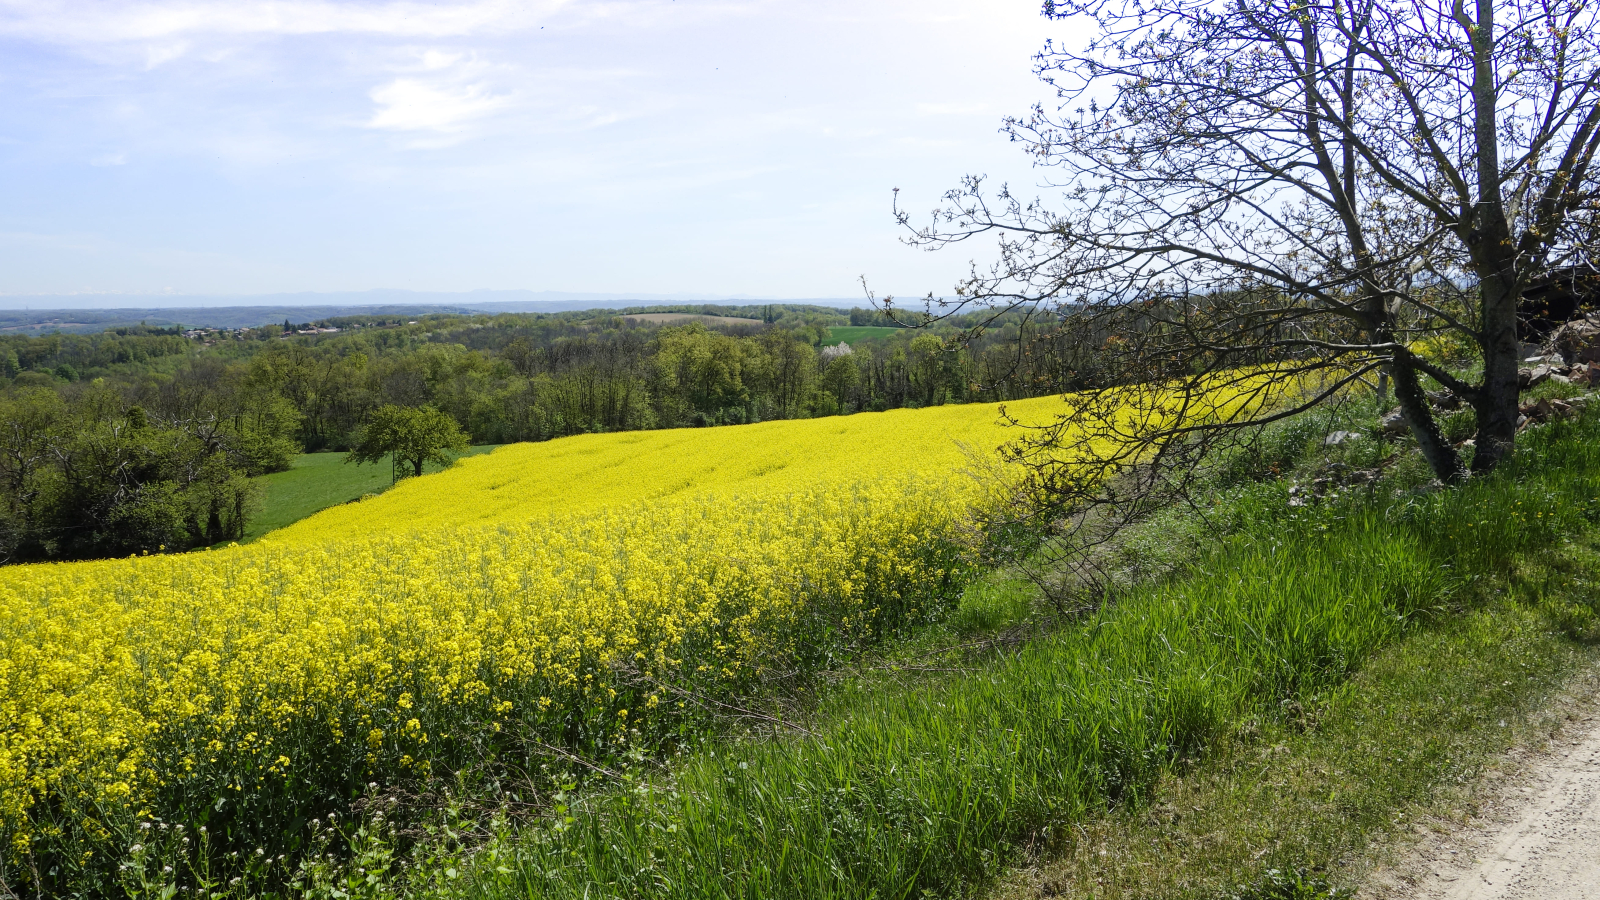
{"x":385,"y":297}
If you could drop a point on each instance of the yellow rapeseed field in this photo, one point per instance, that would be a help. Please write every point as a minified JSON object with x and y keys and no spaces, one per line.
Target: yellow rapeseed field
{"x":577,"y":594}
{"x":592,"y":471}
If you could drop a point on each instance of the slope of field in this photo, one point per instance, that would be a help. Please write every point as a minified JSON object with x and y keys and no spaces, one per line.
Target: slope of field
{"x":1261,"y":670}
{"x":561,"y":594}
{"x":519,"y":482}
{"x":314,"y":482}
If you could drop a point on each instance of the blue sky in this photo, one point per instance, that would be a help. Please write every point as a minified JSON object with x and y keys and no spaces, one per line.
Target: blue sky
{"x":664,"y":146}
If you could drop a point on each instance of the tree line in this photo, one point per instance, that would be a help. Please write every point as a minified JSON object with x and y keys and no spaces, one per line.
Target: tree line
{"x":95,"y":469}
{"x":145,"y":439}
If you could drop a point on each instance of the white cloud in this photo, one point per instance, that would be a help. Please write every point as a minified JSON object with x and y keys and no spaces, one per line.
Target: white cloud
{"x":413,"y":104}
{"x":433,"y":60}
{"x":437,"y":92}
{"x":166,"y":51}
{"x":110,"y":159}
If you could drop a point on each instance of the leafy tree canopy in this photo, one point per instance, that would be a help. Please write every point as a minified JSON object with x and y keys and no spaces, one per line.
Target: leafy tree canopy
{"x":411,"y":436}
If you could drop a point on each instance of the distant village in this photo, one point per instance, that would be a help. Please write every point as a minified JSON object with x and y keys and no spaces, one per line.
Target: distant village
{"x":209,"y":336}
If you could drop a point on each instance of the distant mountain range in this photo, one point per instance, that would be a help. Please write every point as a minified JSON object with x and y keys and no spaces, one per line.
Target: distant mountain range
{"x":97,"y":312}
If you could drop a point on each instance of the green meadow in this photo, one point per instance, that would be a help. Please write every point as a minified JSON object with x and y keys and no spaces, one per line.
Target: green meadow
{"x":316,"y":481}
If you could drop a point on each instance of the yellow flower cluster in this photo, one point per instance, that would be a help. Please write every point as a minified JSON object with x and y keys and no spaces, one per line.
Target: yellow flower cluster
{"x":574,"y":591}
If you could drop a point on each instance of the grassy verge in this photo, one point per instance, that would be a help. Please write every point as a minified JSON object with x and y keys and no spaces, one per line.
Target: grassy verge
{"x":314,"y":482}
{"x":919,"y":782}
{"x":1300,"y":807}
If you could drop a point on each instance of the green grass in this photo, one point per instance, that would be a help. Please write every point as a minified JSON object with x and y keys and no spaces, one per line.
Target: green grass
{"x":852,"y":333}
{"x":1321,"y":796}
{"x":316,"y":481}
{"x":934,"y":783}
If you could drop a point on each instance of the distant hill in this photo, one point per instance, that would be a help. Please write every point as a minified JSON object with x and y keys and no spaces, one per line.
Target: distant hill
{"x":86,"y":320}
{"x":95,"y":312}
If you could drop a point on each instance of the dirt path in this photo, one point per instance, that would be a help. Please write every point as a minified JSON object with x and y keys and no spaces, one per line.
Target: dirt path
{"x":1540,"y":839}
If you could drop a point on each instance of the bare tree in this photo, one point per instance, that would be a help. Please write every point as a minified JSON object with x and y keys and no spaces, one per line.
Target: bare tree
{"x":1267,"y":203}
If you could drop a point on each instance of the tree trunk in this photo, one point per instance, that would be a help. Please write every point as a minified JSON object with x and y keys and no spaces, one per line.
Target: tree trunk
{"x":1496,"y":403}
{"x":1494,"y":259}
{"x":1443,"y":458}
